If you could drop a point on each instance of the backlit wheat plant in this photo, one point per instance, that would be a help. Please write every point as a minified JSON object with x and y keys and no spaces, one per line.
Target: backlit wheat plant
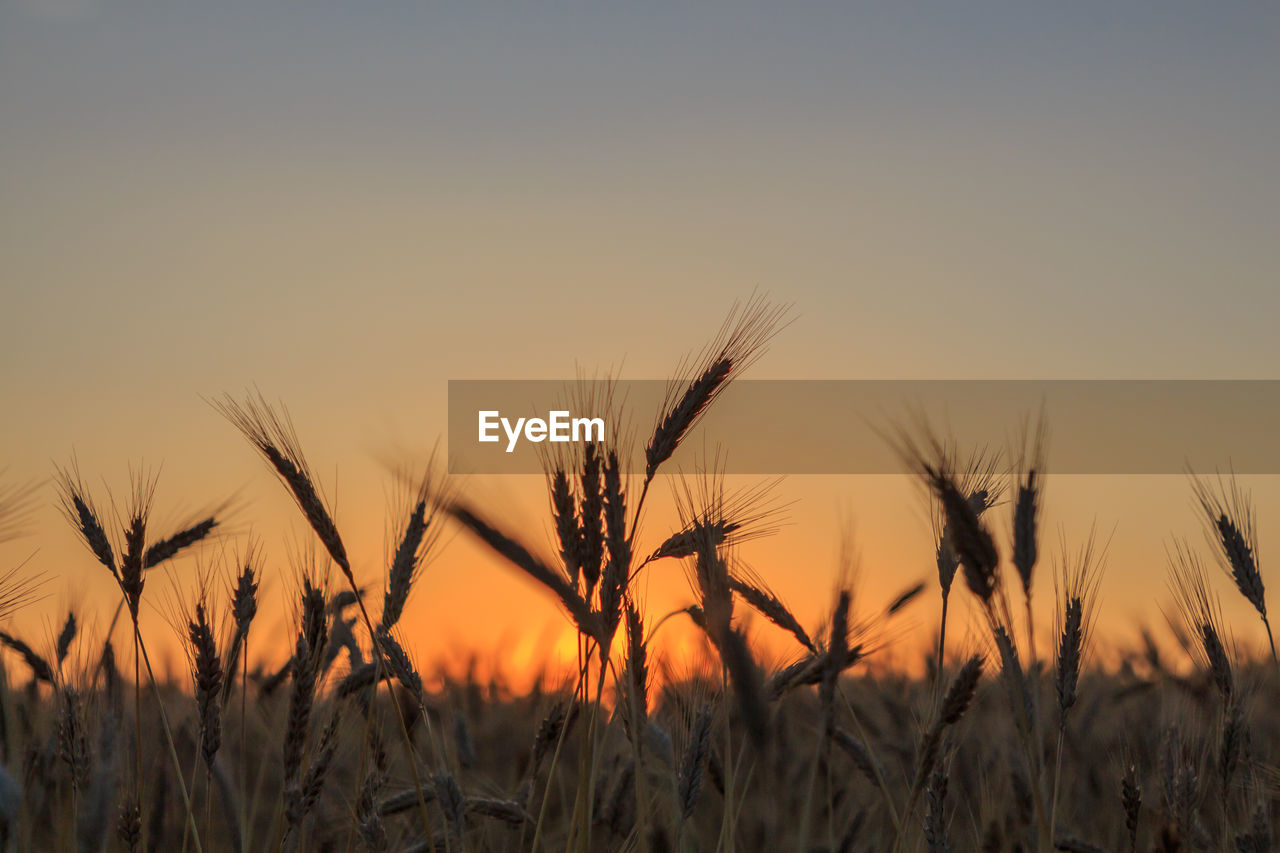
{"x":137,"y":554}
{"x":1028,"y":502}
{"x":711,"y":581}
{"x":692,"y":765}
{"x":1200,"y":614}
{"x":17,"y":588}
{"x":419,"y":525}
{"x":975,"y":478}
{"x":1131,"y":801}
{"x":960,"y":492}
{"x":929,"y":458}
{"x":305,"y":762}
{"x":417,"y":511}
{"x":70,"y":738}
{"x":17,"y":503}
{"x":701,"y":379}
{"x":197,"y":628}
{"x":746,"y":513}
{"x":591,"y":580}
{"x":841,"y":645}
{"x":272,"y":434}
{"x":243,"y":595}
{"x":955,"y":703}
{"x":713,"y":522}
{"x":632,"y":700}
{"x":1231,"y":526}
{"x":1076,"y":586}
{"x":596,"y":519}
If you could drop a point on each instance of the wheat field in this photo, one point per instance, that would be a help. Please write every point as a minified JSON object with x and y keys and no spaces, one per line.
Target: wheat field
{"x":345,"y":744}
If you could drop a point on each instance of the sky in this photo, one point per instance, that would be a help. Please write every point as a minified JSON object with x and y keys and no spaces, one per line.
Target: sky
{"x":346,"y":208}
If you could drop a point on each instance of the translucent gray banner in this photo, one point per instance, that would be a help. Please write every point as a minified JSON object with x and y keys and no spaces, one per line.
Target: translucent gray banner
{"x":840,"y":426}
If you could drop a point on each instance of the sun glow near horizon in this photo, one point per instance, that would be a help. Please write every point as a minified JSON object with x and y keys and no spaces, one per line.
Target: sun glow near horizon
{"x":470,"y":612}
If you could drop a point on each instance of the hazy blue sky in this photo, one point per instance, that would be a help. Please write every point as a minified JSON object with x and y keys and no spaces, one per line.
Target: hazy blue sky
{"x":348,"y":206}
{"x":1090,"y":188}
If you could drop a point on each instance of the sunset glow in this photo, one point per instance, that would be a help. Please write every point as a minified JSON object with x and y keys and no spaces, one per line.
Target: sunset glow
{"x":301,"y":267}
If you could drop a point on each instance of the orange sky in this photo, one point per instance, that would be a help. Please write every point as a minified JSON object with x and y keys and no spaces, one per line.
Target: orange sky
{"x":468,"y":604}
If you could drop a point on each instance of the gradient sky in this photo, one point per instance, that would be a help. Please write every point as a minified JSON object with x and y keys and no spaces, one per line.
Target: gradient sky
{"x":349,"y":207}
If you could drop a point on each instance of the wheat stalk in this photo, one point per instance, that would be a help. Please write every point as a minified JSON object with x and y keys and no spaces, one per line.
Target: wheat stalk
{"x":741,"y":340}
{"x":520,"y":557}
{"x":1231,"y":525}
{"x":208,"y":675}
{"x":419,"y":534}
{"x":128,"y":574}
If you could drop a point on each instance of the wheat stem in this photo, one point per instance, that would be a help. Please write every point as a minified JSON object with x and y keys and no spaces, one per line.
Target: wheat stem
{"x":168,"y":739}
{"x":579,"y":688}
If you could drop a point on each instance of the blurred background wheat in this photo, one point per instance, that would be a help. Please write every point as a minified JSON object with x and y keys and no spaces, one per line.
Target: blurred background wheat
{"x":996,"y":742}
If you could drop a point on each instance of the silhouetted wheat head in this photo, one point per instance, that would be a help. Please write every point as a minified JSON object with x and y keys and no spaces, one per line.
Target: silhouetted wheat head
{"x":316,"y":726}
